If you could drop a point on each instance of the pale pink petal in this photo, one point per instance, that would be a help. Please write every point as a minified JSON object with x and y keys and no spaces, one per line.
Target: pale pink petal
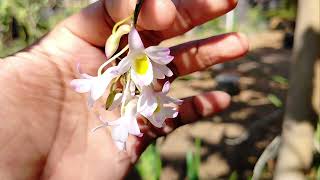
{"x":161,"y":59}
{"x":157,"y":119}
{"x":170,"y":112}
{"x":168,"y":99}
{"x":166,"y":87}
{"x":157,"y":51}
{"x":134,"y":127}
{"x":124,"y":65}
{"x":135,"y":42}
{"x":147,"y":104}
{"x":120,"y":133}
{"x":157,"y":73}
{"x":81,"y":85}
{"x":164,"y":69}
{"x":99,"y":87}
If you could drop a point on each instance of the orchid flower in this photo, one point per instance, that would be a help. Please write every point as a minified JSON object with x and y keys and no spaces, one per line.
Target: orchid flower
{"x":135,"y":72}
{"x":146,"y":64}
{"x":155,"y":106}
{"x":125,"y":125}
{"x":96,"y":85}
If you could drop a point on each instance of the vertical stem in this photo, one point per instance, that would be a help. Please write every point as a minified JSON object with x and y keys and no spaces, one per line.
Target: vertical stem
{"x":137,"y":11}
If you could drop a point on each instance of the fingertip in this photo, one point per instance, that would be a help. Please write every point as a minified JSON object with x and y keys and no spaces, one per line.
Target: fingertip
{"x":233,"y":3}
{"x":223,"y":99}
{"x":157,"y":15}
{"x":212,"y":102}
{"x":243,"y":39}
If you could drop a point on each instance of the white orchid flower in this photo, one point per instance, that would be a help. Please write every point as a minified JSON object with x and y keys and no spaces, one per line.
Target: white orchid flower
{"x":96,"y":85}
{"x":146,"y":64}
{"x":125,"y":125}
{"x":155,"y":106}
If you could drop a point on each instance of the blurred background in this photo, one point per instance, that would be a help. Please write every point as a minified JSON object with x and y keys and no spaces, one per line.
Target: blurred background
{"x":228,"y":145}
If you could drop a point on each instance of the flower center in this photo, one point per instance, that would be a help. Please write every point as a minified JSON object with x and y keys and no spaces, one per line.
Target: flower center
{"x":141,"y":64}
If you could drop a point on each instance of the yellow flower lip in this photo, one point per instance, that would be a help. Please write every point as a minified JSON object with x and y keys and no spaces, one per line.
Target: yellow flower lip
{"x":141,"y":64}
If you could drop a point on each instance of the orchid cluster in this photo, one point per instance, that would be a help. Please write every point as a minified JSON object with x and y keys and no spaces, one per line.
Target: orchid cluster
{"x":130,"y":84}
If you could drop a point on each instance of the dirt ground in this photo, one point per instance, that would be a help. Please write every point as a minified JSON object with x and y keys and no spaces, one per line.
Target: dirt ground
{"x":233,"y":140}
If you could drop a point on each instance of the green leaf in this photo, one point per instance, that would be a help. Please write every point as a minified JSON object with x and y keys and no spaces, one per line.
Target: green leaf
{"x":110,"y":99}
{"x":275,"y":100}
{"x":193,"y":161}
{"x":149,"y":165}
{"x":233,"y":176}
{"x":280,"y":79}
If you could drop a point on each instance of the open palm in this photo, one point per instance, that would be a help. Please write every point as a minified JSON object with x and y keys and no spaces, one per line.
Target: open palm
{"x":46,"y":127}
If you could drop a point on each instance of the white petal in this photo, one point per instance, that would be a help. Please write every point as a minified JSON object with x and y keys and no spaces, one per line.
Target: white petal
{"x":164,"y":69}
{"x":99,"y":86}
{"x":135,"y":42}
{"x":170,"y":112}
{"x":157,"y":72}
{"x":116,"y":102}
{"x":161,"y":59}
{"x":166,"y":87}
{"x":81,"y":85}
{"x":168,"y":100}
{"x":147,"y":104}
{"x":157,"y":51}
{"x":134,"y":127}
{"x":120,"y":133}
{"x":157,"y":120}
{"x":124,"y":65}
{"x":143,"y":80}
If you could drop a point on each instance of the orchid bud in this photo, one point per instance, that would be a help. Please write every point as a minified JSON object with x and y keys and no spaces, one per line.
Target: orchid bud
{"x":113,"y":41}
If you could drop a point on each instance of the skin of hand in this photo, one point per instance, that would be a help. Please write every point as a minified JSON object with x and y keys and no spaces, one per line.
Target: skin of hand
{"x":45,"y":130}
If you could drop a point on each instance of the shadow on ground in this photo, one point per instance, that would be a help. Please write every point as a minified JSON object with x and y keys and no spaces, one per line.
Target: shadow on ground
{"x":233,"y":140}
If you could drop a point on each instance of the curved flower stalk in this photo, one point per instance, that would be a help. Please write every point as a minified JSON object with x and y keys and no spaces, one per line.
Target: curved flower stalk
{"x":113,"y":41}
{"x":157,"y":106}
{"x":131,"y":89}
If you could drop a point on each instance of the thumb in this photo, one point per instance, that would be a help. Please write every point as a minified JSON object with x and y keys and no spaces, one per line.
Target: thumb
{"x":154,"y":15}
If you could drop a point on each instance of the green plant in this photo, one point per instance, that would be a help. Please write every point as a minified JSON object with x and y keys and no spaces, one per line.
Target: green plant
{"x":193,"y":161}
{"x":149,"y":165}
{"x":287,"y":10}
{"x":24,"y":21}
{"x":275,"y":100}
{"x":280,"y":79}
{"x":233,"y":176}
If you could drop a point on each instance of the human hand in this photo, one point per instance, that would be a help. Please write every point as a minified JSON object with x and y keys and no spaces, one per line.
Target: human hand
{"x":46,"y":126}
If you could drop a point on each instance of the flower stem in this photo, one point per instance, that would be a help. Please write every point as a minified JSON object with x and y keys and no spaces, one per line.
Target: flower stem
{"x":125,"y":93}
{"x":111,"y":59}
{"x":137,"y":11}
{"x":115,"y":27}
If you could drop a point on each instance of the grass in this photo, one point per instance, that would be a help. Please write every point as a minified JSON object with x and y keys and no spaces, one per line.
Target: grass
{"x":149,"y":165}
